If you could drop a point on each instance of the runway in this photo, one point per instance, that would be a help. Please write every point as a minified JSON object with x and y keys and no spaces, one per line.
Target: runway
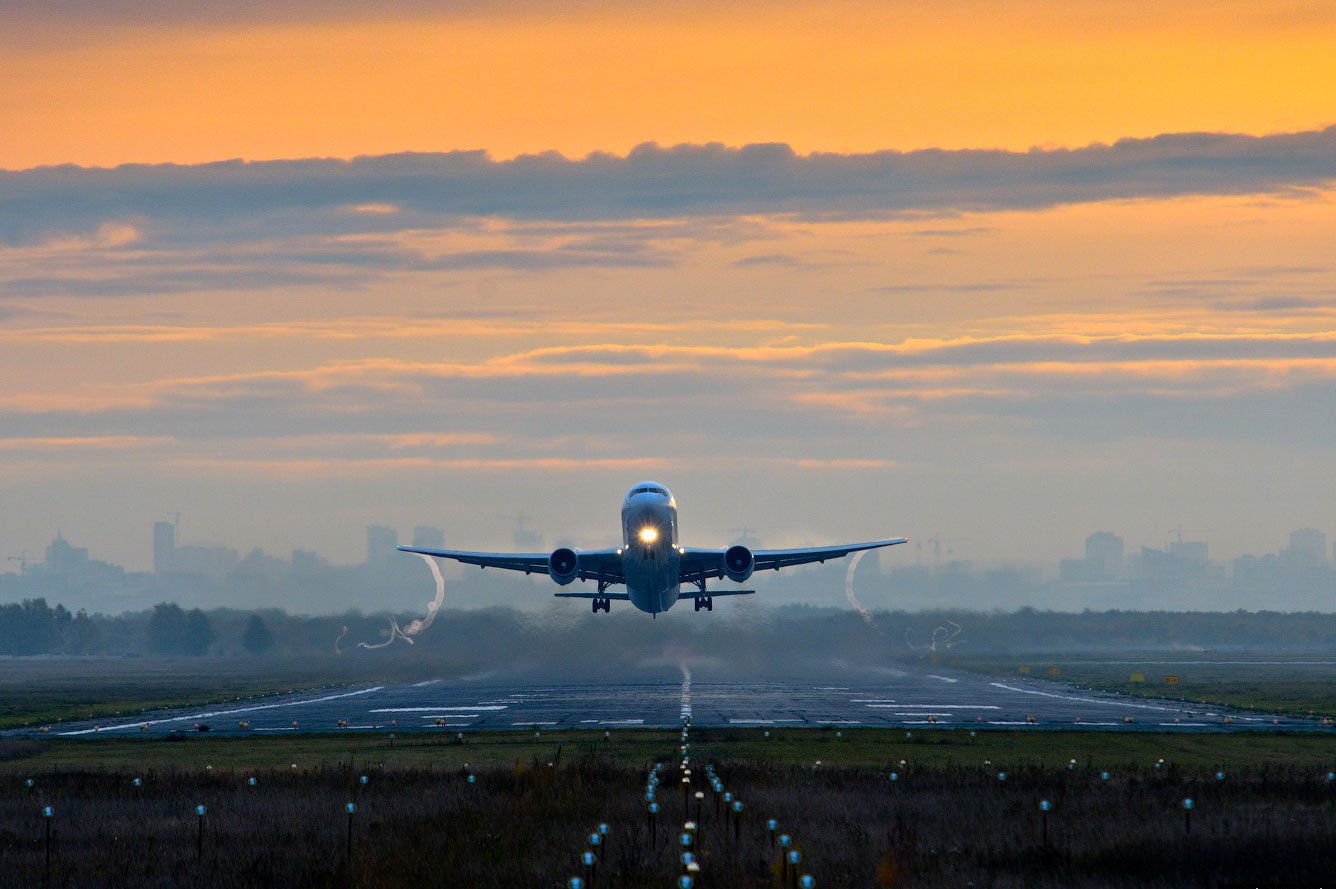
{"x":927,"y":699}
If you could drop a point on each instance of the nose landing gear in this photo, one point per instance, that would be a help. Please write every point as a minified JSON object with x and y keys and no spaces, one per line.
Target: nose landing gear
{"x":600,"y":604}
{"x":705,"y":602}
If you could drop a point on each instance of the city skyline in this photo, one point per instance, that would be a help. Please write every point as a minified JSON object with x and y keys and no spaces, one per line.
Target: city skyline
{"x":984,"y":269}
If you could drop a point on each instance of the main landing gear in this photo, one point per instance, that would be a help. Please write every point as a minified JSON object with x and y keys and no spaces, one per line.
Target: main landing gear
{"x":705,"y":602}
{"x":601,"y":604}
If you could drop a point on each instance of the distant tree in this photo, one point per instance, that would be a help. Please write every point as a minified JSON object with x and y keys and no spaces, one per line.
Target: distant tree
{"x":167,"y":629}
{"x":257,"y":639}
{"x":199,"y":633}
{"x":84,"y":635}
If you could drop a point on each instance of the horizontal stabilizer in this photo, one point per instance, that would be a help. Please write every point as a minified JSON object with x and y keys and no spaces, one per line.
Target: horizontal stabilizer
{"x":620,"y":597}
{"x":712,"y":593}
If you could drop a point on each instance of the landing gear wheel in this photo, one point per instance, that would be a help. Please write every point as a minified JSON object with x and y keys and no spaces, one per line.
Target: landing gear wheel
{"x":601,"y":604}
{"x":706,"y":602}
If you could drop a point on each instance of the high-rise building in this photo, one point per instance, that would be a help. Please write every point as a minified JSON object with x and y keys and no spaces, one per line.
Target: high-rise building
{"x":164,"y":546}
{"x":380,"y":544}
{"x":1104,"y":552}
{"x":428,"y":537}
{"x":1309,"y":546}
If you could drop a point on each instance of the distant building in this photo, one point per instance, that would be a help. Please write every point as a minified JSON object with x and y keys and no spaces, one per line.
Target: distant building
{"x":164,"y":546}
{"x":428,"y":537}
{"x":305,"y":562}
{"x":380,"y":544}
{"x":204,"y":560}
{"x":1308,"y":548}
{"x":70,"y":566}
{"x":1103,"y":560}
{"x":1104,"y":551}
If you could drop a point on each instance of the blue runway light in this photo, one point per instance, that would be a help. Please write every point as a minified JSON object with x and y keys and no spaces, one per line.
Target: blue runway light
{"x":595,"y":838}
{"x":251,"y":781}
{"x":588,"y":859}
{"x":575,"y":883}
{"x":363,"y":780}
{"x":603,"y":829}
{"x":1103,"y":776}
{"x":1219,"y":776}
{"x":1001,"y":776}
{"x":1045,"y":805}
{"x":785,"y":840}
{"x":199,"y":810}
{"x":795,"y":856}
{"x":654,"y":808}
{"x":737,"y":806}
{"x":806,"y":881}
{"x":472,"y":779}
{"x":685,"y":882}
{"x":350,"y":808}
{"x":771,"y":824}
{"x":685,"y":839}
{"x":138,"y":782}
{"x":895,"y":776}
{"x":28,"y":783}
{"x":1187,"y":804}
{"x":47,"y":811}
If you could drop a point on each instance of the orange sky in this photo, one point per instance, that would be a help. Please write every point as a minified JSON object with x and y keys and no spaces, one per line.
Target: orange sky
{"x":849,"y":77}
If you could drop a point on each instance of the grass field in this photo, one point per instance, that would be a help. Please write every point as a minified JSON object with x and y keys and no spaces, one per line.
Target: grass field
{"x":946,"y":822}
{"x":36,"y":691}
{"x":857,"y":748}
{"x":1284,"y":684}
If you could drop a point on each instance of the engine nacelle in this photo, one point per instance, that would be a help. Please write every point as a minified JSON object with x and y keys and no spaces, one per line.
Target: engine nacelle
{"x":738,"y":563}
{"x":563,"y":565}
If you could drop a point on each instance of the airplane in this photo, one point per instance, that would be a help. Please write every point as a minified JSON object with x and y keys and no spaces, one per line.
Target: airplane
{"x":650,"y":562}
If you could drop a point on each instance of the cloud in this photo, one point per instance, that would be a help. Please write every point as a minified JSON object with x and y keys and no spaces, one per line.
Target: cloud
{"x":343,"y":224}
{"x":653,"y":182}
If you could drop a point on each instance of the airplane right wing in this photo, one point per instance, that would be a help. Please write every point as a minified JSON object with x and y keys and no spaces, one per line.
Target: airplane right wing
{"x":597,"y":564}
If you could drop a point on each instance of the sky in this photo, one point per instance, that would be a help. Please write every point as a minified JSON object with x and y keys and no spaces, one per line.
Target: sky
{"x":1010,"y":272}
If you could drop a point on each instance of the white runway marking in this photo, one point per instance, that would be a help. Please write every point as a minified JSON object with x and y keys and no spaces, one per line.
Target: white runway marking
{"x":533,"y":723}
{"x":921,"y":722}
{"x":943,"y":678}
{"x":937,"y":706}
{"x":621,"y":722}
{"x":872,"y":700}
{"x":1118,"y":703}
{"x":923,"y":714}
{"x":759,"y":721}
{"x":1004,"y":722}
{"x":435,"y":709}
{"x":424,"y":683}
{"x":210,"y":714}
{"x":1182,"y":724}
{"x":450,"y":716}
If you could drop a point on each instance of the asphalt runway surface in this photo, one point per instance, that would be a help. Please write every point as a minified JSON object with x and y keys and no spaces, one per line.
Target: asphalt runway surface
{"x":924,"y":699}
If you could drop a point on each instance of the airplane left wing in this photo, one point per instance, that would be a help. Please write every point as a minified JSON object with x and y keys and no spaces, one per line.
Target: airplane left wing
{"x":699,"y":565}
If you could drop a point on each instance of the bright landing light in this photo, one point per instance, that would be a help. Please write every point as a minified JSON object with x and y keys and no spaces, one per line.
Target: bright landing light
{"x":648,"y":535}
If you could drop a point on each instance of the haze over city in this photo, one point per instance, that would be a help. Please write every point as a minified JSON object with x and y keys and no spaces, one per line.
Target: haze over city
{"x":860,"y":273}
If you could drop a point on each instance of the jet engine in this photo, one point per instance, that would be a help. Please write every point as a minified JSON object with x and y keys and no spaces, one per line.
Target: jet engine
{"x":563,"y":565}
{"x":738,"y":563}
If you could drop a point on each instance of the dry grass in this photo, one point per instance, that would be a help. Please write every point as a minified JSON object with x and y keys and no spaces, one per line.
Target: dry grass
{"x":424,"y":826}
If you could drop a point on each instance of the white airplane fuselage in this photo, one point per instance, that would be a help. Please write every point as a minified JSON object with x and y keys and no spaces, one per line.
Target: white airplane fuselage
{"x":651,"y":559}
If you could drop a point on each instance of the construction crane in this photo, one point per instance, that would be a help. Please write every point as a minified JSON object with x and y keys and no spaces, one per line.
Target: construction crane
{"x":22,"y":559}
{"x":937,"y":540}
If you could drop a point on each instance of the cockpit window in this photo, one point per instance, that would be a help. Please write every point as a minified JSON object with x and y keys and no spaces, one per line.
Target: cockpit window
{"x":647,"y":489}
